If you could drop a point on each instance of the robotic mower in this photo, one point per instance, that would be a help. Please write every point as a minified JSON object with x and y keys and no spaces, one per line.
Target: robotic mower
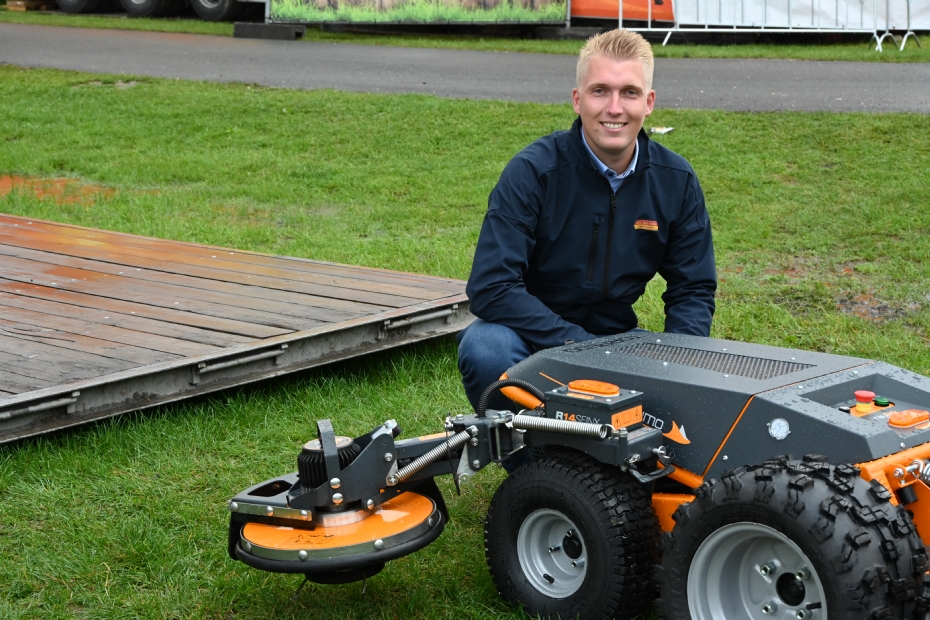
{"x":754,"y":482}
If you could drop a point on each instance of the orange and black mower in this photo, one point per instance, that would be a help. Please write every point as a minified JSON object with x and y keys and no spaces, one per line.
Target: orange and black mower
{"x":739,"y":481}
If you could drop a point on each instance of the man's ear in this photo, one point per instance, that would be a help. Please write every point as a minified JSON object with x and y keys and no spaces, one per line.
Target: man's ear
{"x":576,"y":100}
{"x":650,"y":102}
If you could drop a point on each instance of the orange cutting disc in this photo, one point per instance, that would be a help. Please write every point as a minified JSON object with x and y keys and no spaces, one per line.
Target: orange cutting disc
{"x":393,"y":522}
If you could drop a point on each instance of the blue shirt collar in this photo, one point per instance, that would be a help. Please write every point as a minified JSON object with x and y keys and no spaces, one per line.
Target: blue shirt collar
{"x":616,"y":180}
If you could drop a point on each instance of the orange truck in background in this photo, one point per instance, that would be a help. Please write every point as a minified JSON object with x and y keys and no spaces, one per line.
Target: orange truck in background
{"x":662,"y":10}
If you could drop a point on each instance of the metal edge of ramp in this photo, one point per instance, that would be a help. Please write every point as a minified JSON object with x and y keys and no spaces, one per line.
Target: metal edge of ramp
{"x":63,"y":406}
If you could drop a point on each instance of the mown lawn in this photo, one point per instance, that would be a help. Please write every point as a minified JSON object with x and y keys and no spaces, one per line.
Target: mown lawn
{"x":821,"y":228}
{"x":676,"y":48}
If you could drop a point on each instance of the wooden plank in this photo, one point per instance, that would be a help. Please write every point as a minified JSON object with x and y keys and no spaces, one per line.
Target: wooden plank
{"x":167,"y":321}
{"x":217,"y":267}
{"x":36,"y":324}
{"x":13,"y":331}
{"x":450,"y":286}
{"x":126,"y":321}
{"x":323,"y":308}
{"x":18,"y":384}
{"x":55,"y":364}
{"x":123,"y":288}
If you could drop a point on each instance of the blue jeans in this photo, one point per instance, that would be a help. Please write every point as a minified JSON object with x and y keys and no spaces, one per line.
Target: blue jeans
{"x":486,"y":351}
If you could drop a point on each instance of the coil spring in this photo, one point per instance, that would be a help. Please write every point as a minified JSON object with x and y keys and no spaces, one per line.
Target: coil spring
{"x":434,"y":455}
{"x":561,"y":427}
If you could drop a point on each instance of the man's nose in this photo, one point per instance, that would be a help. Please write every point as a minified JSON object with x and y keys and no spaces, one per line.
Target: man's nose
{"x":615,"y":104}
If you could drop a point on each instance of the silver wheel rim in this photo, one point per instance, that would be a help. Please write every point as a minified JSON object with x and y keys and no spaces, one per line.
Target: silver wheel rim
{"x":748,"y":571}
{"x":552,"y":553}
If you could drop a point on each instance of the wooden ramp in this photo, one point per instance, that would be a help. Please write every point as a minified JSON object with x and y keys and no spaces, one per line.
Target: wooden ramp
{"x":96,"y":323}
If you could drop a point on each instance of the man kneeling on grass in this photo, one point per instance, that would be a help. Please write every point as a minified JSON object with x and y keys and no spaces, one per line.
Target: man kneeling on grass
{"x":581,"y":220}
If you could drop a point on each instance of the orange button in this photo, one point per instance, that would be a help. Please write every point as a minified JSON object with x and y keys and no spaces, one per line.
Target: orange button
{"x":909,"y":418}
{"x":597,"y":388}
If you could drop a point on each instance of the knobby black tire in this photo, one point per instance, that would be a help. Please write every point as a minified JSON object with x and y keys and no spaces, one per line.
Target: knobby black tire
{"x":865,"y":550}
{"x":615,"y":519}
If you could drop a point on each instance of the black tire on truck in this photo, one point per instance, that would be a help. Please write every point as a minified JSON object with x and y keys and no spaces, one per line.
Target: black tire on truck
{"x":792,"y":539}
{"x":152,"y":8}
{"x":217,"y":10}
{"x":79,"y":6}
{"x":568,"y":537}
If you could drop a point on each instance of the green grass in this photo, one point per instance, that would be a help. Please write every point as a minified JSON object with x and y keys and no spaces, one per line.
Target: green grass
{"x":675,"y":49}
{"x":816,"y":217}
{"x":417,"y":11}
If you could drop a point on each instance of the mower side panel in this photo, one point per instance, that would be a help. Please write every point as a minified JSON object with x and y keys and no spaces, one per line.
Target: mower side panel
{"x":817,"y":426}
{"x":702,"y":397}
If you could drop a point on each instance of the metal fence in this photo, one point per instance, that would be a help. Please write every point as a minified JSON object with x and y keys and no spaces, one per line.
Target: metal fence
{"x":875,"y":17}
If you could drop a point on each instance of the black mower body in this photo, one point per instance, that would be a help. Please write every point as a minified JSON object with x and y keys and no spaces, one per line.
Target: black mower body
{"x":716,"y":400}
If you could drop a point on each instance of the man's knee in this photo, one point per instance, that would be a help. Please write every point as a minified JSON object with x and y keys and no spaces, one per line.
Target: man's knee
{"x":487,"y":344}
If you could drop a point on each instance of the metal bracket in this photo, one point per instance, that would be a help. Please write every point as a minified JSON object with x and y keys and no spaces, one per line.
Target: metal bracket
{"x":446,"y":313}
{"x":202,"y":368}
{"x":51,"y":404}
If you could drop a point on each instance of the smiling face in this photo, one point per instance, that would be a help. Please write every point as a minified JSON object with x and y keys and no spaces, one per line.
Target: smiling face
{"x":613,"y":101}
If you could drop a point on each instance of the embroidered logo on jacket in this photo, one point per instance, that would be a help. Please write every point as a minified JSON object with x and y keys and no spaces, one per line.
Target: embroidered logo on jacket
{"x":646,"y":225}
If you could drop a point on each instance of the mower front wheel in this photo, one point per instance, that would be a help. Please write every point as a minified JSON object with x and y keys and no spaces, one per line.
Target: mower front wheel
{"x":791,"y":540}
{"x":568,"y":537}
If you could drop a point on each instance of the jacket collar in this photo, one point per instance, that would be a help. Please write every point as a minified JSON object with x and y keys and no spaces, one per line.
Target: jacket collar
{"x":642,"y":140}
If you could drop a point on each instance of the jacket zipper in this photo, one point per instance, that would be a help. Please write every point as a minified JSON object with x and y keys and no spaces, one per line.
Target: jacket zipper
{"x":610,"y":243}
{"x":593,"y":254}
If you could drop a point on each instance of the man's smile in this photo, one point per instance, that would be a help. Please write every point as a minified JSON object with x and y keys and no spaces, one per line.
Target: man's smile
{"x":613,"y":125}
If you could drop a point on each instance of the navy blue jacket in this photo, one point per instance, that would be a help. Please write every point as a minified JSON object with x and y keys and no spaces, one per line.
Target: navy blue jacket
{"x":560,"y":257}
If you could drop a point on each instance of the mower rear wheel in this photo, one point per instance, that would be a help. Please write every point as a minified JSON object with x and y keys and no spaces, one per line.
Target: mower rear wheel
{"x":568,"y":537}
{"x":791,"y":539}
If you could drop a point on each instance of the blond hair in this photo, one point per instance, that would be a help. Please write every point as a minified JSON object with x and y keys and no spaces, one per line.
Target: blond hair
{"x":616,"y":45}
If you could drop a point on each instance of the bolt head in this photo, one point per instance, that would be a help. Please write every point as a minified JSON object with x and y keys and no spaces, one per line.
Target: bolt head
{"x":370,"y":504}
{"x":379,"y":545}
{"x":429,"y":522}
{"x":801,"y":614}
{"x":269,"y":511}
{"x":301,"y":555}
{"x":726,"y":458}
{"x":304,"y":515}
{"x":769,"y":608}
{"x":233,"y":507}
{"x":388,"y":457}
{"x":476,"y":464}
{"x":335,"y":483}
{"x":337,"y":498}
{"x":474,"y":441}
{"x":247,"y":546}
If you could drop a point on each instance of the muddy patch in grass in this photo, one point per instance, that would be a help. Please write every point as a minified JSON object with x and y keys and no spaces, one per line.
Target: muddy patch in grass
{"x":868,"y":307}
{"x":62,"y":191}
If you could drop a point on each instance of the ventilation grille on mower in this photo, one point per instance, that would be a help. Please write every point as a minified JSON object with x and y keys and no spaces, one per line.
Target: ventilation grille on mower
{"x":729,"y":363}
{"x":597,"y":343}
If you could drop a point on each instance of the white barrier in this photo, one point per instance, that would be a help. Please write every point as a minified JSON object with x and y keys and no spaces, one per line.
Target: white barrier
{"x":798,"y":16}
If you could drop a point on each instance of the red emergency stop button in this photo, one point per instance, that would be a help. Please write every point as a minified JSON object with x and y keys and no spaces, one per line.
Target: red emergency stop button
{"x":864,"y":401}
